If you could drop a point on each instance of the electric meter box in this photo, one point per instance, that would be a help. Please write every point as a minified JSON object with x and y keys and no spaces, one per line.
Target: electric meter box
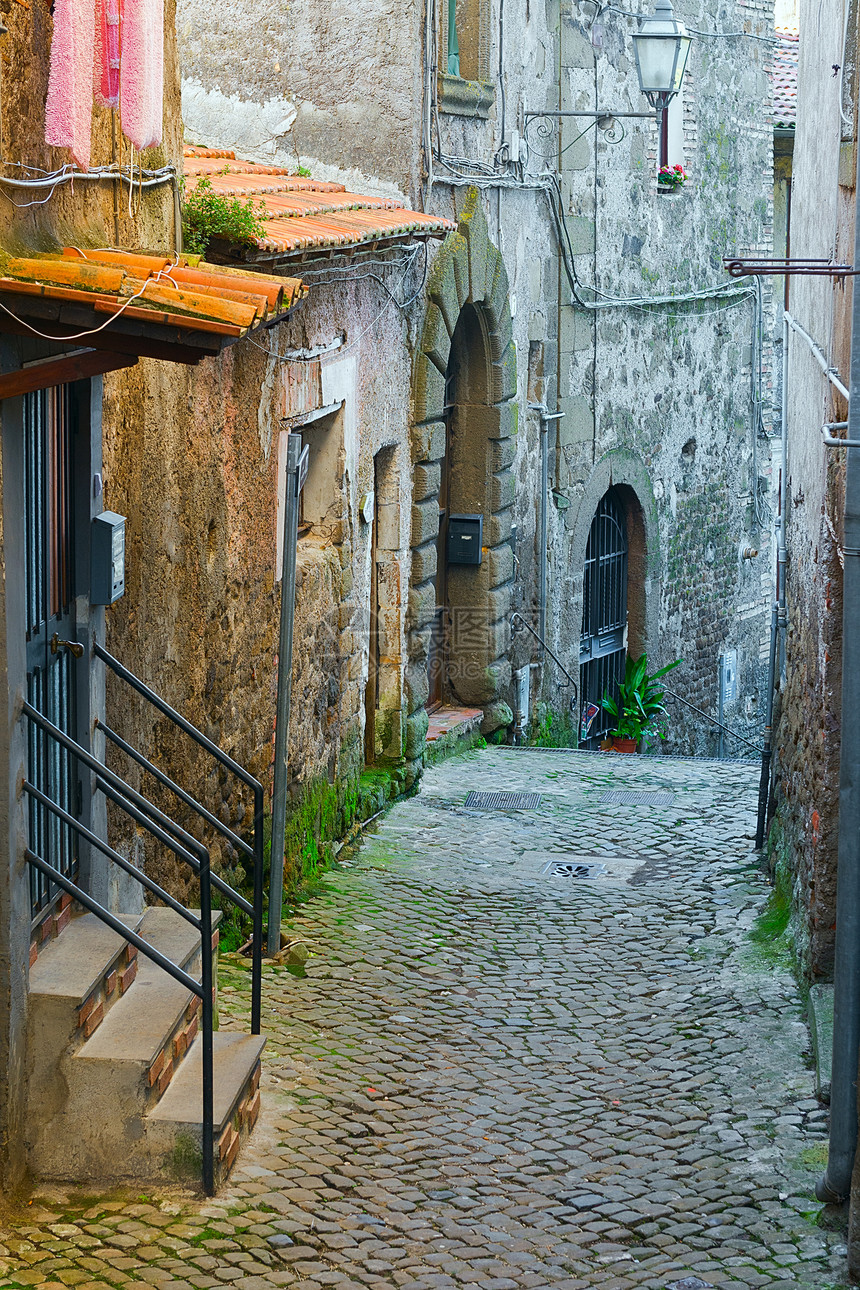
{"x":465,"y":535}
{"x":107,"y":558}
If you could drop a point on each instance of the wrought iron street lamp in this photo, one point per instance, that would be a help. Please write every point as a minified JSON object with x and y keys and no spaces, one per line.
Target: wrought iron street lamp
{"x":661,"y":47}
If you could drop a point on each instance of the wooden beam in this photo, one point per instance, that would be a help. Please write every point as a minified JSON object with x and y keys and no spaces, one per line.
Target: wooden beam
{"x":151,"y":342}
{"x":60,"y":370}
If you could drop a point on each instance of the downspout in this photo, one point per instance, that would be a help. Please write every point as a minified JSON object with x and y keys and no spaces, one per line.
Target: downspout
{"x":783,"y":494}
{"x":543,"y":522}
{"x":295,"y":454}
{"x":835,"y":1184}
{"x":778,"y":615}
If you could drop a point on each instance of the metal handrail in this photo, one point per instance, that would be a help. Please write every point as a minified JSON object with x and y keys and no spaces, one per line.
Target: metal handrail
{"x":554,"y":657}
{"x":203,"y":989}
{"x":156,"y":773}
{"x":713,"y":721}
{"x":254,"y":784}
{"x":125,"y":799}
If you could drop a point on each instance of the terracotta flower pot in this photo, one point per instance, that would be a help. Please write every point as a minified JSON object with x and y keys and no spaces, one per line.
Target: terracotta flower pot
{"x":625,"y":745}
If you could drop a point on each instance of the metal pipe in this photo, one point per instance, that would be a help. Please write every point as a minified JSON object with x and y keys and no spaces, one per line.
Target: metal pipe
{"x":835,"y":1183}
{"x":257,"y":917}
{"x":285,"y":681}
{"x":543,"y":524}
{"x":818,"y":354}
{"x":766,"y":752}
{"x":783,"y":487}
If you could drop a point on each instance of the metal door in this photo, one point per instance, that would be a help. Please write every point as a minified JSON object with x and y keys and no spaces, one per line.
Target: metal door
{"x":49,"y":598}
{"x":603,"y":643}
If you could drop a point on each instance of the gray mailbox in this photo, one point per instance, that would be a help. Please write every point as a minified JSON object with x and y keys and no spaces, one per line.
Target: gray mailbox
{"x":465,"y":535}
{"x":107,"y":562}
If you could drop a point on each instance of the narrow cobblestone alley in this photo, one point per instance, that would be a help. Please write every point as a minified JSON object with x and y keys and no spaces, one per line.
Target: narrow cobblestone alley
{"x":491,"y":1076}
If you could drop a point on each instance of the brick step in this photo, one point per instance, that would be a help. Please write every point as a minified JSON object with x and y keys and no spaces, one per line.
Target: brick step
{"x":87,"y":1123}
{"x":146,"y":1035}
{"x":72,"y":986}
{"x":177,"y":1118}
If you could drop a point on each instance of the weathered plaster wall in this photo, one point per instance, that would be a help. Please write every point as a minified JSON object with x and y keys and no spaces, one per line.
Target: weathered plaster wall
{"x":809,"y":723}
{"x":333,"y":85}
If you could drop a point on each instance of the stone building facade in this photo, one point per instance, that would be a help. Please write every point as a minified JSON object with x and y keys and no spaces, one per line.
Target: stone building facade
{"x":809,"y":700}
{"x":608,"y":304}
{"x":572,"y":349}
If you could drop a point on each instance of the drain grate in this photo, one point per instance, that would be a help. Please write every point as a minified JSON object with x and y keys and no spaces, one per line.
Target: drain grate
{"x":504,"y":801}
{"x":638,"y":797}
{"x":573,"y":869}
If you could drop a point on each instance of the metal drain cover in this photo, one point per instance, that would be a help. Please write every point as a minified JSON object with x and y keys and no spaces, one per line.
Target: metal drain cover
{"x":639,"y":797}
{"x":504,"y":801}
{"x":573,"y":869}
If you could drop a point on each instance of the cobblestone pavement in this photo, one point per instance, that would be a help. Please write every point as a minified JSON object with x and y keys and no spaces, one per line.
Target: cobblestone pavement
{"x":495,"y":1077}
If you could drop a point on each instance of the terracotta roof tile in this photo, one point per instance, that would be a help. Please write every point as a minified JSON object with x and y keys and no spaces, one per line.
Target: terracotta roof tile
{"x":304,"y":214}
{"x":200,"y":297}
{"x":785,"y":77}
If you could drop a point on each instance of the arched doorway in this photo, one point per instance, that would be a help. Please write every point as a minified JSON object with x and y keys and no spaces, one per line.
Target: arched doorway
{"x":603,"y":639}
{"x":464,"y":418}
{"x":456,"y":656}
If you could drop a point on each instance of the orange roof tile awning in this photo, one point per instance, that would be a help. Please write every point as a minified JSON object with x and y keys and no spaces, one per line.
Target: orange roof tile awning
{"x":304,"y":216}
{"x":139,"y":305}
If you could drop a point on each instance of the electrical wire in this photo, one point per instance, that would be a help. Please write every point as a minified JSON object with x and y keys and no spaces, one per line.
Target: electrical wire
{"x":353,"y":341}
{"x":92,"y":331}
{"x":601,"y":9}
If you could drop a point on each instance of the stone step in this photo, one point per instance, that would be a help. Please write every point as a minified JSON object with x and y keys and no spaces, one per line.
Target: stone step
{"x":90,"y":1124}
{"x":137,"y":1037}
{"x":177,"y":1120}
{"x":72,"y":986}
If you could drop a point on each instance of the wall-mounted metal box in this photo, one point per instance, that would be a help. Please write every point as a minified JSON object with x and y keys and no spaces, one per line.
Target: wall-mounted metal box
{"x":107,"y":558}
{"x":465,"y":535}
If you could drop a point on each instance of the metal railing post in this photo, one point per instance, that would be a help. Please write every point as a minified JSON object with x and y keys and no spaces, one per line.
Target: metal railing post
{"x":207,"y":1028}
{"x":257,"y":941}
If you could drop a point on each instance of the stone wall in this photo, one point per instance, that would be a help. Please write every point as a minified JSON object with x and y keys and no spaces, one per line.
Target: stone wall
{"x":194,"y":459}
{"x":807,"y":762}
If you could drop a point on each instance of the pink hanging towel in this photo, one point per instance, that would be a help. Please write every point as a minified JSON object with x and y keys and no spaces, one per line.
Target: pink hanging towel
{"x":142,"y":71}
{"x":69,"y":106}
{"x":106,"y":66}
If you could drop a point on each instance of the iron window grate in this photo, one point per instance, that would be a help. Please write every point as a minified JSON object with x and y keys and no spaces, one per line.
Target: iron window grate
{"x":638,"y":797}
{"x":504,"y":801}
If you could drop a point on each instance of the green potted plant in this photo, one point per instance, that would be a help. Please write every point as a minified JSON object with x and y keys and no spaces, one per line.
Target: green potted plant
{"x":638,"y":709}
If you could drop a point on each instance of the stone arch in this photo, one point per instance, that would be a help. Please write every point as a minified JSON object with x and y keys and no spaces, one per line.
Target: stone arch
{"x":626,"y":472}
{"x":468,"y":285}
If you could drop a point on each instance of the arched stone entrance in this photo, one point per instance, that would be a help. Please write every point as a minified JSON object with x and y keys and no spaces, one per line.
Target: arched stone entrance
{"x":618,"y":490}
{"x":464,"y":415}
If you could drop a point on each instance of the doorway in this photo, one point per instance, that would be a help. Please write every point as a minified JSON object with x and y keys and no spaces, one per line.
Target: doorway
{"x":603,"y":641}
{"x":51,"y":646}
